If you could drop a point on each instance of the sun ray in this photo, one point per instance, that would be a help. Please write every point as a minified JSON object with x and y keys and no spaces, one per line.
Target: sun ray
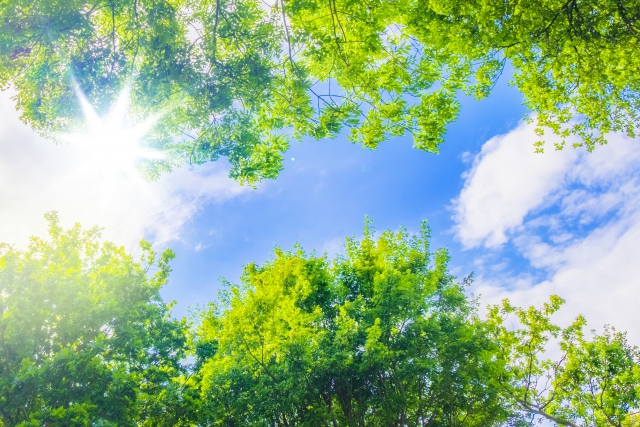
{"x":110,"y":144}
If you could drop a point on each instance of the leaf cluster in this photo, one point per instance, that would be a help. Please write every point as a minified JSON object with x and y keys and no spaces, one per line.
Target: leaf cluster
{"x":239,"y":78}
{"x":85,"y":338}
{"x":382,"y":335}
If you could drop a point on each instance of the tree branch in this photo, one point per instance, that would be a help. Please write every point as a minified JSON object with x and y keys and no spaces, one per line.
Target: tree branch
{"x":538,"y":411}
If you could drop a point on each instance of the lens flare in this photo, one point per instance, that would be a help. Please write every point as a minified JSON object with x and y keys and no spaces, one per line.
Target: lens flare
{"x":109,"y":144}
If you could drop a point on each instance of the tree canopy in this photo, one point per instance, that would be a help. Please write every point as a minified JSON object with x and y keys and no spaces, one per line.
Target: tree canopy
{"x":382,"y":335}
{"x":240,"y":78}
{"x":84,"y":337}
{"x":385,"y":336}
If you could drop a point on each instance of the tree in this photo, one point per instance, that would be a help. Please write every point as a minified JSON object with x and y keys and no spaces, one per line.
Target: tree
{"x":239,"y":78}
{"x":85,"y":338}
{"x":382,"y":336}
{"x":594,"y":383}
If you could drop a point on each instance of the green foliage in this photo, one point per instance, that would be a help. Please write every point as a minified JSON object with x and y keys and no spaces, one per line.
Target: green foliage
{"x":84,"y":337}
{"x":240,"y":78}
{"x":593,"y":383}
{"x":382,"y":336}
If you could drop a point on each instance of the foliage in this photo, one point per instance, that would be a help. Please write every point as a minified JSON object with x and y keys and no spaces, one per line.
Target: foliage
{"x":84,"y":337}
{"x":593,"y":383}
{"x":239,"y":78}
{"x":383,"y":336}
{"x":380,"y":336}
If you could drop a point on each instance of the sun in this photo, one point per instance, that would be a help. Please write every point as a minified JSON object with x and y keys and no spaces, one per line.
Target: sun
{"x":109,"y":144}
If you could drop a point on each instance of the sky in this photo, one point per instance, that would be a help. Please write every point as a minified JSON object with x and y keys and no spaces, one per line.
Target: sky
{"x":527,"y":225}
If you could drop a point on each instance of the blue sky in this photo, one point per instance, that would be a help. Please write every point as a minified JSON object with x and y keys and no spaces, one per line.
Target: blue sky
{"x":527,"y":225}
{"x":327,"y":188}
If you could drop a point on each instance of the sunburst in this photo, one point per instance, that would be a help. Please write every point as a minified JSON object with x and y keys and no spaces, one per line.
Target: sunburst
{"x":110,"y":144}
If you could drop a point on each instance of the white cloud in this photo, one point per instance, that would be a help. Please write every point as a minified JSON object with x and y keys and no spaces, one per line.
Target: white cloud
{"x":598,"y":277}
{"x":200,"y":247}
{"x":506,"y":181}
{"x":574,"y":216}
{"x":37,"y":176}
